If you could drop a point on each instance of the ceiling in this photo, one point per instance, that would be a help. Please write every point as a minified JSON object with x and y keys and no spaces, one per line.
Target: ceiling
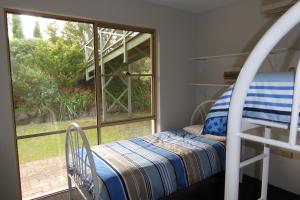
{"x":195,"y":6}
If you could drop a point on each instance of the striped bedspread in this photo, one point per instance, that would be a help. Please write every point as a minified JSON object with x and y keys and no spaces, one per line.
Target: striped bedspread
{"x":269,"y":98}
{"x":154,"y":166}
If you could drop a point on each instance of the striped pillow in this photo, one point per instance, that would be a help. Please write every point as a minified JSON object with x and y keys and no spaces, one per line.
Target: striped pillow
{"x":269,"y":98}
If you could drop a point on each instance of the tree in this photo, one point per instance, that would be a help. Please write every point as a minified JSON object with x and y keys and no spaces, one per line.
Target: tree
{"x":17,"y":27}
{"x":62,"y":61}
{"x":22,"y":53}
{"x":77,"y":32}
{"x":37,"y":31}
{"x":52,"y":32}
{"x":45,"y":73}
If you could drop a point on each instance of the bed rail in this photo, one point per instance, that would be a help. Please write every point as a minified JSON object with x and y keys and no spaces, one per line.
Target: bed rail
{"x":287,"y":22}
{"x":80,"y":164}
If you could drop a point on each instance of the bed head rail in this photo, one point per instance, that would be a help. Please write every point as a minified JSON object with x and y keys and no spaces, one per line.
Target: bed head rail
{"x":286,"y":23}
{"x":80,"y":163}
{"x":201,"y":111}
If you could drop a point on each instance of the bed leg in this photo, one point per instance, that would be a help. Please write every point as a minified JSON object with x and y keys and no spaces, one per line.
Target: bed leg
{"x":70,"y":188}
{"x":265,"y":170}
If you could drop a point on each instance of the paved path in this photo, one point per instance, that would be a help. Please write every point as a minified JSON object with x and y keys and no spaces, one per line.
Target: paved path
{"x":43,"y":177}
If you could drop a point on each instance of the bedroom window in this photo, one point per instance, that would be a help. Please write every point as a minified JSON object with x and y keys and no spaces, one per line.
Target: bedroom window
{"x":64,"y":70}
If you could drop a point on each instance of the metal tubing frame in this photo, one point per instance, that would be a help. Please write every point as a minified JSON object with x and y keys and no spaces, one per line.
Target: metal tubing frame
{"x":287,"y":22}
{"x":80,"y":166}
{"x":252,"y":160}
{"x":242,"y":54}
{"x":201,"y":112}
{"x":243,"y":151}
{"x":271,"y":142}
{"x":265,"y":170}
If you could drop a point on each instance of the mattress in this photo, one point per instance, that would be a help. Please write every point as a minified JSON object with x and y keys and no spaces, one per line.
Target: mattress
{"x":269,"y":99}
{"x":155,"y":166}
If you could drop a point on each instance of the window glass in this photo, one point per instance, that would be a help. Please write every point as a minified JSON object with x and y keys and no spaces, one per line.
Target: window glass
{"x":126,"y":131}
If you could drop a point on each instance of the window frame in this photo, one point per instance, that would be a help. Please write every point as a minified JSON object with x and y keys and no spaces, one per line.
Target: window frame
{"x":97,"y":76}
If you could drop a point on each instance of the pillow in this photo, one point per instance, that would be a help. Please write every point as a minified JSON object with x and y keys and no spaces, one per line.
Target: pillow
{"x":216,"y":126}
{"x":194,"y":129}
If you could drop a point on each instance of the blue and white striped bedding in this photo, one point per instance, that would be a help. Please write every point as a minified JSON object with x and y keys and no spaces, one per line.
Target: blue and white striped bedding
{"x":269,"y":98}
{"x":155,"y":166}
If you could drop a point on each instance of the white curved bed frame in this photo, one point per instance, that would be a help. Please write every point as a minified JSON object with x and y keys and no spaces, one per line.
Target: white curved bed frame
{"x":80,"y":164}
{"x":201,"y":111}
{"x":235,"y":133}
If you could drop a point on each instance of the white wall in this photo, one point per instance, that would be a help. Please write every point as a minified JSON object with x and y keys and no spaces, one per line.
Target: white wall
{"x":233,"y":29}
{"x":176,"y":32}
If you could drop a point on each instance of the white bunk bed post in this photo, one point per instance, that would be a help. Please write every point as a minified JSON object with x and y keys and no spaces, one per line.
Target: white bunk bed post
{"x":243,"y":150}
{"x":288,"y":21}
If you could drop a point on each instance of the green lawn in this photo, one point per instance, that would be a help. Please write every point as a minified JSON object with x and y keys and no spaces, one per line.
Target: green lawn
{"x":44,"y":147}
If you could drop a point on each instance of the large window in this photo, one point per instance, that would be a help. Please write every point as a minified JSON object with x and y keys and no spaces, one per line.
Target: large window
{"x":101,"y":76}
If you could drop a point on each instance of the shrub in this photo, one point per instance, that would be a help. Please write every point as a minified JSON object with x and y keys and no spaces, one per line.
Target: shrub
{"x":72,"y":105}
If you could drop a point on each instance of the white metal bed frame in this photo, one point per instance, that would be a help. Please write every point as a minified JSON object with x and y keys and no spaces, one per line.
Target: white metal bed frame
{"x":236,"y":130}
{"x":80,"y":166}
{"x":201,"y":111}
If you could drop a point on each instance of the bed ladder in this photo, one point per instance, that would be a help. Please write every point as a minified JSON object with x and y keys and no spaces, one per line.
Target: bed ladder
{"x":235,"y":132}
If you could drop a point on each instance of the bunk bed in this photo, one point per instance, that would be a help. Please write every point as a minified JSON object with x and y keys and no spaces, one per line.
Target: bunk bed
{"x":238,"y":125}
{"x":150,"y":167}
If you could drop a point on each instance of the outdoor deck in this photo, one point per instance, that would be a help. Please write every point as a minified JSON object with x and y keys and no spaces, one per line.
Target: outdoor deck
{"x":43,"y":177}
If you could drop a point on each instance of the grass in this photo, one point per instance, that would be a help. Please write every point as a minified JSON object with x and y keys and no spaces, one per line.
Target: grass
{"x":45,"y":147}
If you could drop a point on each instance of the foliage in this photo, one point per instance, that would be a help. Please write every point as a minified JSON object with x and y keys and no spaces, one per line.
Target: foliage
{"x":17,"y":27}
{"x":140,"y":90}
{"x":46,"y":74}
{"x":141,"y":99}
{"x":72,"y":104}
{"x":77,"y":32}
{"x":64,"y":62}
{"x":142,"y":66}
{"x":22,"y":52}
{"x":34,"y":89}
{"x":37,"y":31}
{"x":52,"y":32}
{"x":42,"y":69}
{"x":21,"y":110}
